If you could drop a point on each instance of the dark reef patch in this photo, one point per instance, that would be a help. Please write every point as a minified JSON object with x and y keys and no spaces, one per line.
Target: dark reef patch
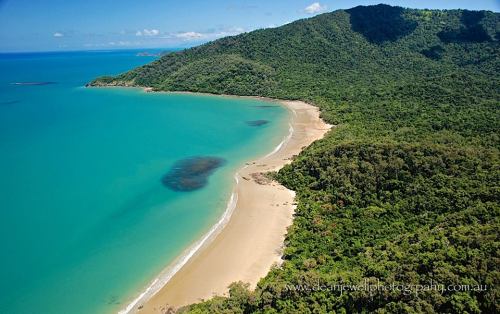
{"x":257,"y":122}
{"x":191,"y":173}
{"x":33,"y":83}
{"x":265,"y":106}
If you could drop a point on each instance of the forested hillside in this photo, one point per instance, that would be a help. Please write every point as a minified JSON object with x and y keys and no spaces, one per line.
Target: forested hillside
{"x":405,"y":189}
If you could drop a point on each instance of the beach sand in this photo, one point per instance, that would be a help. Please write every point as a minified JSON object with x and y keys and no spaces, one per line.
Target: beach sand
{"x":252,"y":241}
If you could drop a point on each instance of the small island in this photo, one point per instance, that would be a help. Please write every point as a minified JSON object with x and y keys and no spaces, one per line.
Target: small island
{"x":33,"y":83}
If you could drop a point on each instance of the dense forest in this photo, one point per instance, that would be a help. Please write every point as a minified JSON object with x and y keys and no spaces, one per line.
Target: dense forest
{"x":405,"y":189}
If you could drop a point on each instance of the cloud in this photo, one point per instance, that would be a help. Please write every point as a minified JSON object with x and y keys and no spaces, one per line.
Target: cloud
{"x":157,"y":38}
{"x":152,"y":32}
{"x":120,"y":43}
{"x":148,"y":32}
{"x":57,"y":34}
{"x":207,"y":35}
{"x":231,"y":31}
{"x":189,"y":35}
{"x":316,"y":7}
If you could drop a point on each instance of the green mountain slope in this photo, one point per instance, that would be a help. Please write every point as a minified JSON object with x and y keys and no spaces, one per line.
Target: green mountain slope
{"x":405,"y":189}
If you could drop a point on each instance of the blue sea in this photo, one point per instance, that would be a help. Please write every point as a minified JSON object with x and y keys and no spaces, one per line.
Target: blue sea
{"x":86,"y":222}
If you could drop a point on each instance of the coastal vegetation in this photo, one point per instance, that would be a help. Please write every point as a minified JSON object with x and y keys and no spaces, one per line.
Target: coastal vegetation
{"x":405,"y":189}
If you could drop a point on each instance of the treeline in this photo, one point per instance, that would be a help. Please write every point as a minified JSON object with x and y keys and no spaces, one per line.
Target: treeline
{"x":405,"y":189}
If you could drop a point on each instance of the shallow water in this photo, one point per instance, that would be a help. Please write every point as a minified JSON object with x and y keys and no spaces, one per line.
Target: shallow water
{"x":85,"y":221}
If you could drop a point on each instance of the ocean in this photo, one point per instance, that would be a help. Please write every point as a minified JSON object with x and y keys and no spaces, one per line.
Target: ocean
{"x":101,"y":188}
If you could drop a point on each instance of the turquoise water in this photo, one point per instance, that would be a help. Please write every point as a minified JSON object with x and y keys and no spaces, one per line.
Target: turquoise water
{"x":85,"y":223}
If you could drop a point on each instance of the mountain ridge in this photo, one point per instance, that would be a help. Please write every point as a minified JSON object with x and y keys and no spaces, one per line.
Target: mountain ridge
{"x":150,"y":75}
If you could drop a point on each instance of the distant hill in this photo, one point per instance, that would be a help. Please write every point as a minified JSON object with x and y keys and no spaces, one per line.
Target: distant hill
{"x":406,"y":188}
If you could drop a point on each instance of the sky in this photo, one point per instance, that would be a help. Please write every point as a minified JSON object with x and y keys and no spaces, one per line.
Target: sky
{"x":51,"y":25}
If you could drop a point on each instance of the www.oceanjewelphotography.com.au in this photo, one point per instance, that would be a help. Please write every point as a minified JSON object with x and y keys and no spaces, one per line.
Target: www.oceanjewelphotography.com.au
{"x":375,"y":286}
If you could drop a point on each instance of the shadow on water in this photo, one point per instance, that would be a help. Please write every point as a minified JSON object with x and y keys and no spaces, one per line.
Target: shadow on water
{"x":256,"y":122}
{"x":471,"y":30}
{"x":191,"y":173}
{"x":381,"y":23}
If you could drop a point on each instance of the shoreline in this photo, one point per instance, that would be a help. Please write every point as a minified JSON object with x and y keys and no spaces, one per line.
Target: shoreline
{"x":264,"y":212}
{"x":161,"y":280}
{"x":252,"y":241}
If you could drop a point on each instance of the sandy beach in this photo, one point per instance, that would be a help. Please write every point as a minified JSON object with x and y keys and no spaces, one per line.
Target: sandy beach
{"x":252,"y":240}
